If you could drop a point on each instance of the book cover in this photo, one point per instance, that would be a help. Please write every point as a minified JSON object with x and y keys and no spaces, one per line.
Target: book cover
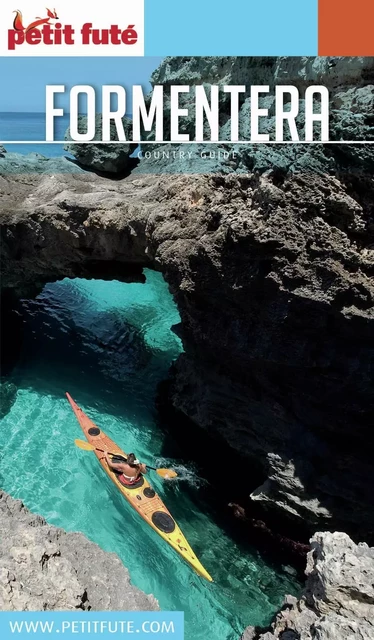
{"x":187,"y":262}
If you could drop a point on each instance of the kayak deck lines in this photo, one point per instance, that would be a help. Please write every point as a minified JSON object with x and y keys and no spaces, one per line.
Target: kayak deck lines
{"x":143,"y":499}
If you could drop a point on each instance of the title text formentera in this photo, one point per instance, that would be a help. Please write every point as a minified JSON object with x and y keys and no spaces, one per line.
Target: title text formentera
{"x":147,"y":112}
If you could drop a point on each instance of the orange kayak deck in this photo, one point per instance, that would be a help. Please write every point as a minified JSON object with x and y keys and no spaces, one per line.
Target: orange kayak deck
{"x":141,"y":496}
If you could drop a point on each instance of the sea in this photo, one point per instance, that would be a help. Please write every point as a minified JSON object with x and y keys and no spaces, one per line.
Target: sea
{"x":23,"y":126}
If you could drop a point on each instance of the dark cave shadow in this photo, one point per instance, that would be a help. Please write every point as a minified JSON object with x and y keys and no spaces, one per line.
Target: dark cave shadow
{"x":210,"y":496}
{"x":86,"y":359}
{"x":279,"y":541}
{"x":86,"y":388}
{"x":133,"y":163}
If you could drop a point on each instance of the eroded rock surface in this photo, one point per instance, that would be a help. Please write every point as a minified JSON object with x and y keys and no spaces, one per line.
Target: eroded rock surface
{"x":110,"y":158}
{"x":338,"y":599}
{"x":43,"y":568}
{"x":350,"y":81}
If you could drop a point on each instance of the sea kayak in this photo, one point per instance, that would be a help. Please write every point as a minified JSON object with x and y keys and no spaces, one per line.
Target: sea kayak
{"x":141,"y":495}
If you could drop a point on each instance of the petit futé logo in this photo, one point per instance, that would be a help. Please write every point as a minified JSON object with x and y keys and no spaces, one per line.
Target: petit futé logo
{"x":49,"y":31}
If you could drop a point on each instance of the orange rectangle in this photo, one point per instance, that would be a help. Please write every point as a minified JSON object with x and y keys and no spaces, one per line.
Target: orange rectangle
{"x":346,"y":28}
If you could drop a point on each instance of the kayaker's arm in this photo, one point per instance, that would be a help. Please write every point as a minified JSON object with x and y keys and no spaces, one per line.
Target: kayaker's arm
{"x":143,"y":468}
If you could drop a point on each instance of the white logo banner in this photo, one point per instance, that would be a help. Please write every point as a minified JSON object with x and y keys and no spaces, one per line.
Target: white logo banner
{"x":73,"y":28}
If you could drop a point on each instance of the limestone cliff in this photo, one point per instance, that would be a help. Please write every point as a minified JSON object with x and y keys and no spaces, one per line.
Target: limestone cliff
{"x":350,"y":82}
{"x":338,"y":599}
{"x":44,"y":568}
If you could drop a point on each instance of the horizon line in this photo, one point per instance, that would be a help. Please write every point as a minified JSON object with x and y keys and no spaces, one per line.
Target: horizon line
{"x":182,"y":142}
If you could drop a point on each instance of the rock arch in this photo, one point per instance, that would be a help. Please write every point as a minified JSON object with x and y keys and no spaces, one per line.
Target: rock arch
{"x":275,"y":296}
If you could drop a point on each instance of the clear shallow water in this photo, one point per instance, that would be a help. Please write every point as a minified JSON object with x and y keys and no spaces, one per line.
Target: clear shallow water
{"x":109,"y":344}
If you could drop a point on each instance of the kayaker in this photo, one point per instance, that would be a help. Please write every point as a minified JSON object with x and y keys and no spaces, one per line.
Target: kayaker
{"x":131,"y":470}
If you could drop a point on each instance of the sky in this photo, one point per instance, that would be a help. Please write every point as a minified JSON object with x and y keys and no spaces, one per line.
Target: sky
{"x":23,"y":80}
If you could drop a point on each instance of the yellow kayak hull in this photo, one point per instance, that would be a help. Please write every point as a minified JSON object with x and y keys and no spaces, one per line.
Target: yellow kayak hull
{"x":143,"y":498}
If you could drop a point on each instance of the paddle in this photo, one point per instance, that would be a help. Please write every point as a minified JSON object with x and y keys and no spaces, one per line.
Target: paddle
{"x":86,"y":446}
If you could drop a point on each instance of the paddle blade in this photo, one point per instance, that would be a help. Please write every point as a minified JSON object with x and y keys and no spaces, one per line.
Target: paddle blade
{"x":167,"y":473}
{"x":84,"y":445}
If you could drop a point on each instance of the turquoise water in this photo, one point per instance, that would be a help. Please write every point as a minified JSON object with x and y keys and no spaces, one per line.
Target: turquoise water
{"x":109,"y":344}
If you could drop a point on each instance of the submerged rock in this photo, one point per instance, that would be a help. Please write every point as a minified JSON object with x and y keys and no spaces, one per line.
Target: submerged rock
{"x":108,"y":158}
{"x":338,"y":599}
{"x":44,"y":568}
{"x":2,"y":151}
{"x":271,"y":541}
{"x":8,"y":394}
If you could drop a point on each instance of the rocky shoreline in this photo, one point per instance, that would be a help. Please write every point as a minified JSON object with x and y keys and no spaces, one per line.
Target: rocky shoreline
{"x":44,"y":568}
{"x":338,"y":599}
